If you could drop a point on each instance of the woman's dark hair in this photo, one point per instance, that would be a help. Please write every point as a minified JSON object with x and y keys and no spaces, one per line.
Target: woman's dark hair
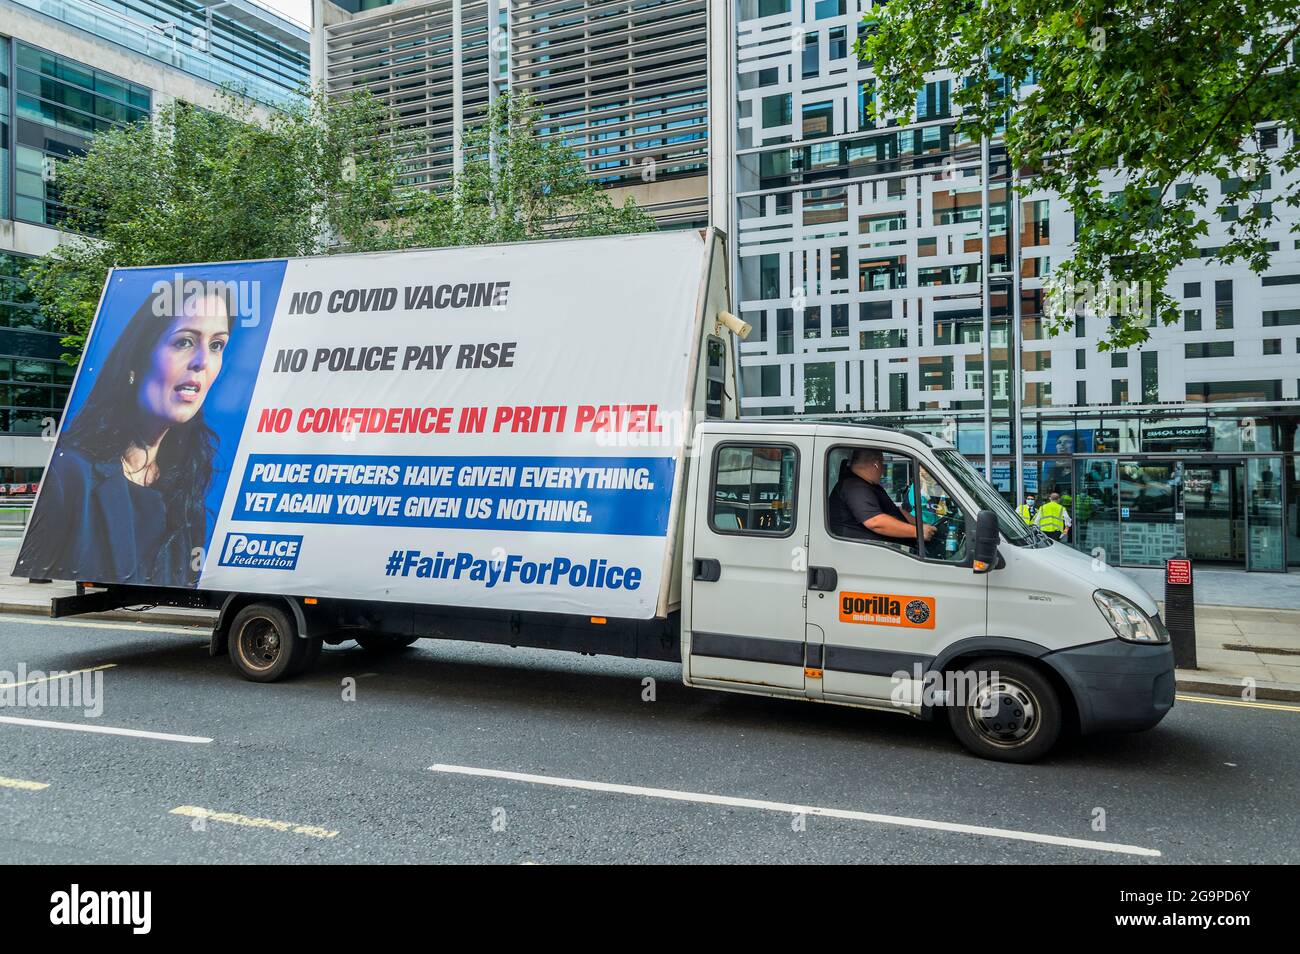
{"x":111,"y":422}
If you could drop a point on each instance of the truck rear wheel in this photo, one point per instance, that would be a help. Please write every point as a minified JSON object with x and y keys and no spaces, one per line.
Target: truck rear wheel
{"x":1013,"y":713}
{"x":265,"y":645}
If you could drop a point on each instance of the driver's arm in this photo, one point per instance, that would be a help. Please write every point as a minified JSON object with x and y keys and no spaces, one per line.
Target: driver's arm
{"x":887,"y":526}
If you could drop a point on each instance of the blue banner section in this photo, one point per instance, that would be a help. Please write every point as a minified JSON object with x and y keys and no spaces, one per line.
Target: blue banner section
{"x":621,"y":496}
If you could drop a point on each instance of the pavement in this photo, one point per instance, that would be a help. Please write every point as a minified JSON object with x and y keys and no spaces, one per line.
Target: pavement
{"x":468,"y":753}
{"x":1242,"y":650}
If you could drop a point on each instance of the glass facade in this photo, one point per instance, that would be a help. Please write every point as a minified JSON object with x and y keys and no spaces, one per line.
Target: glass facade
{"x":34,"y":381}
{"x":6,"y":95}
{"x":236,"y":42}
{"x":59,"y":105}
{"x":881,"y":221}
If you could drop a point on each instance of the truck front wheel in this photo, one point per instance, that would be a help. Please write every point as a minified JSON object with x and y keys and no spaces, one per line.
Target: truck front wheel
{"x":1008,"y":712}
{"x":265,"y":645}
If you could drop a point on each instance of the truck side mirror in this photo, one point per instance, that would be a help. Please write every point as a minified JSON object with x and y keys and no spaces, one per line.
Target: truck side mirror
{"x":986,"y":541}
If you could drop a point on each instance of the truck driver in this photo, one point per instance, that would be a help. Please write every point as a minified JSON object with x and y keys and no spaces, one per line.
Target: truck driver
{"x":861,"y":509}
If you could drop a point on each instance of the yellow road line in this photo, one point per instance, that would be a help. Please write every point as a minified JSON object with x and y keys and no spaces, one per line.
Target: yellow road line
{"x":234,"y":818}
{"x":1233,"y":702}
{"x":57,"y":675}
{"x":23,"y":784}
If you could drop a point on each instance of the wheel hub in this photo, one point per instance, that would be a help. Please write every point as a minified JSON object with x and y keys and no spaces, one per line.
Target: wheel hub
{"x":1004,"y":712}
{"x":260,"y":643}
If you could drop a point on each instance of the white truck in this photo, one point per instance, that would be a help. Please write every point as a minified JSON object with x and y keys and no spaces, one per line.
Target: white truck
{"x":537,"y":445}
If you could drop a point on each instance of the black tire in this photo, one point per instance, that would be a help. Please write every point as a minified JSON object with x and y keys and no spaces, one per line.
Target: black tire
{"x":1015,"y":717}
{"x":265,"y":646}
{"x":383,"y":642}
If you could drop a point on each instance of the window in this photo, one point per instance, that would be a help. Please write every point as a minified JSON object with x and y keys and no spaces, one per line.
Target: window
{"x":837,"y":41}
{"x":819,"y":120}
{"x":1208,"y":349}
{"x":716,"y":372}
{"x":839,"y":263}
{"x":942,"y":511}
{"x":754,"y":489}
{"x":776,"y":110}
{"x":1211,"y":391}
{"x":769,"y":384}
{"x":1192,"y":319}
{"x":1272,"y":345}
{"x":839,"y":321}
{"x":749,"y":9}
{"x":896,"y":480}
{"x":901,"y":479}
{"x":819,"y":388}
{"x":811,"y":57}
{"x":1150,"y":376}
{"x":1273,"y":319}
{"x":932,"y":101}
{"x":1223,"y":304}
{"x":1191,"y":289}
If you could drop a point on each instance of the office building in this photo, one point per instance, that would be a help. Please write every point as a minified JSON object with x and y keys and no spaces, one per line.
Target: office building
{"x":857,"y":252}
{"x":623,"y":83}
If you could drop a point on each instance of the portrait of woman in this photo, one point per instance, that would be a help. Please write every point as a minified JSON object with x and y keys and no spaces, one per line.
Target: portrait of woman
{"x":123,"y":496}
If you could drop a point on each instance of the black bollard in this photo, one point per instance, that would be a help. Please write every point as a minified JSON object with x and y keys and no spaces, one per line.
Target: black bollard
{"x":1180,"y":612}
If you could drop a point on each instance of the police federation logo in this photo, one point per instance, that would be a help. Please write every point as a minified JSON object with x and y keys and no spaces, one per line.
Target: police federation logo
{"x":917,"y":612}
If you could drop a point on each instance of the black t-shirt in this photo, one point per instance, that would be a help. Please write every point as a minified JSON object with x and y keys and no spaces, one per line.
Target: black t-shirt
{"x":855,"y":501}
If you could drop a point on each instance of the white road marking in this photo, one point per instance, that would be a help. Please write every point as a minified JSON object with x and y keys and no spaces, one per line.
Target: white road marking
{"x":198,"y":630}
{"x":56,"y":676}
{"x":792,"y":809}
{"x":104,"y":730}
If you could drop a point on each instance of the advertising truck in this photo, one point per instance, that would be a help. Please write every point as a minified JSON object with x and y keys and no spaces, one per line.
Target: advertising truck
{"x":538,"y":444}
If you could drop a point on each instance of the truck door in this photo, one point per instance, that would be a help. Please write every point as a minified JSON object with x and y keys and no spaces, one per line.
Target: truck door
{"x":888,"y":607}
{"x":747,"y":573}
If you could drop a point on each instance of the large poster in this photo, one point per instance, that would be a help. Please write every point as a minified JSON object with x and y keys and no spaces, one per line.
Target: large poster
{"x":497,"y":426}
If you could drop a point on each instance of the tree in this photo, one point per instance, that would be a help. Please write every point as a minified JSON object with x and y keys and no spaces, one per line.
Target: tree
{"x":1130,"y":102}
{"x":518,"y":183}
{"x":199,"y":186}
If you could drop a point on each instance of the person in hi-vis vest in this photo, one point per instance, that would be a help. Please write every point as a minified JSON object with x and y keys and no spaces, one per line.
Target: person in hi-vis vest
{"x":1028,"y":512}
{"x":1053,"y":519}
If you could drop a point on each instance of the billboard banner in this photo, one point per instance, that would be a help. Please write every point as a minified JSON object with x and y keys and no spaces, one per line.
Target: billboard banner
{"x":498,"y":426}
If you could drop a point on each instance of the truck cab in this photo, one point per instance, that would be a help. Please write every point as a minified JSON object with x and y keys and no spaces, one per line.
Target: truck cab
{"x":1015,"y":636}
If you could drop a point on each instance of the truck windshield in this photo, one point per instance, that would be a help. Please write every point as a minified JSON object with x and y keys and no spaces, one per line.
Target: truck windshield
{"x":1014,"y":530}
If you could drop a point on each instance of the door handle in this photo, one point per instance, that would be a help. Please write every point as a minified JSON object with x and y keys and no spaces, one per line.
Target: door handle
{"x":822,"y":578}
{"x":707,"y":570}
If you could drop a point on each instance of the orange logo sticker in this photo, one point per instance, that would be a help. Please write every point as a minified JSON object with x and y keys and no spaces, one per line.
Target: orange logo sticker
{"x":887,"y":609}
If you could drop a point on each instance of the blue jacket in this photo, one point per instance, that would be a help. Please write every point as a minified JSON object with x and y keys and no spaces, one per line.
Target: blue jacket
{"x":88,"y":526}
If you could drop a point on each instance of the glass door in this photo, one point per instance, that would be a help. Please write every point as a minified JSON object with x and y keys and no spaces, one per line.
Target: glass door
{"x":1264,"y":529}
{"x":1214,"y":505}
{"x":1151,"y":525}
{"x":1095,"y":509}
